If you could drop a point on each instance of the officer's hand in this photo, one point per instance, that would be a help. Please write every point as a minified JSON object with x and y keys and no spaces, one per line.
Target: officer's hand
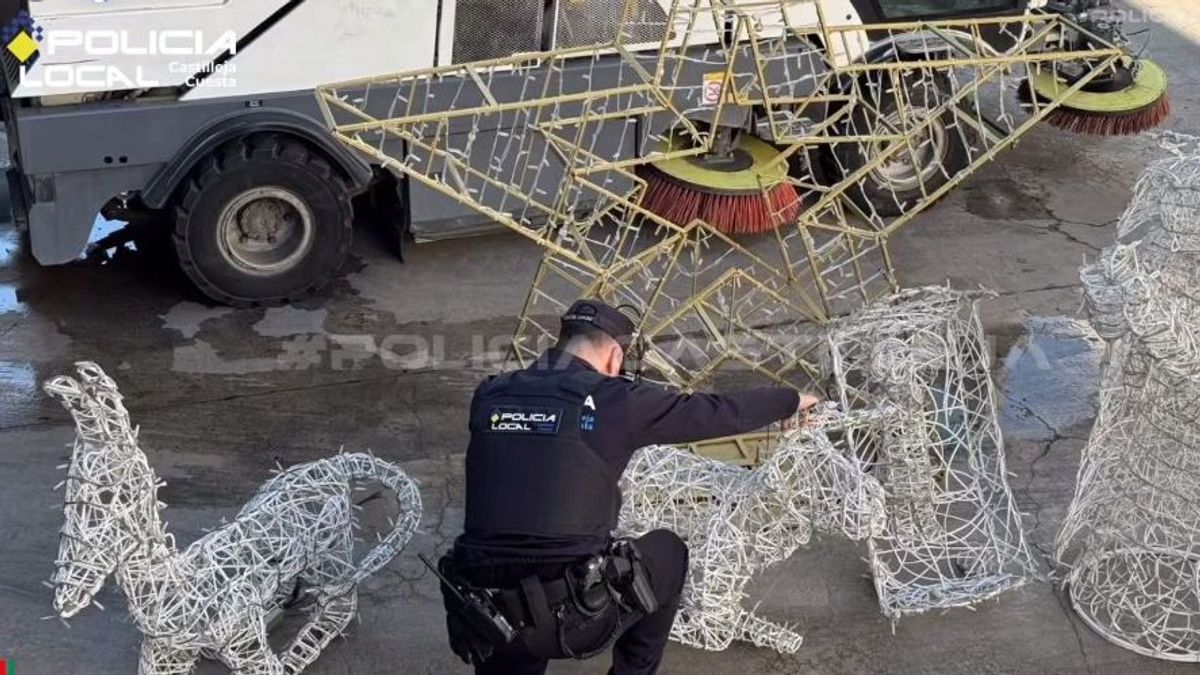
{"x":801,"y":419}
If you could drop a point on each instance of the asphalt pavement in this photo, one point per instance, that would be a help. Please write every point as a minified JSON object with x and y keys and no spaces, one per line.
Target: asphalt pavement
{"x":386,"y":358}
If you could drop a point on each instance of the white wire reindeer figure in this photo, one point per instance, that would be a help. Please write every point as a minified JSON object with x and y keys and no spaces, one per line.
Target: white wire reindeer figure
{"x":214,"y":598}
{"x":739,"y":522}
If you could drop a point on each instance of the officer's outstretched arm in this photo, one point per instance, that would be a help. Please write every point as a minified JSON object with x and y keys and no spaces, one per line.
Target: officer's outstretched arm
{"x":659,"y":415}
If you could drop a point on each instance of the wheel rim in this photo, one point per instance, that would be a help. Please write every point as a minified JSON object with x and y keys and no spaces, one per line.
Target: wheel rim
{"x":265,"y":230}
{"x":910,"y":169}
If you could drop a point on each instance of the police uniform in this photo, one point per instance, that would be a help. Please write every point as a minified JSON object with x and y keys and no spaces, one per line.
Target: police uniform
{"x":548,"y":447}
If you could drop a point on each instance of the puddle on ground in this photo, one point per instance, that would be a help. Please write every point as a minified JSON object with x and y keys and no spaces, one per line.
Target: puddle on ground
{"x":18,"y":384}
{"x":186,"y":317}
{"x":1050,"y":378}
{"x":200,"y":358}
{"x":10,"y":300}
{"x":287,"y":321}
{"x":10,"y":246}
{"x":1004,"y":199}
{"x":26,"y":336}
{"x":20,"y":376}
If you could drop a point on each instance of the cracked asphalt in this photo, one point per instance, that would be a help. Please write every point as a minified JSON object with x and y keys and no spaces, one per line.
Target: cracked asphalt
{"x":387,"y":357}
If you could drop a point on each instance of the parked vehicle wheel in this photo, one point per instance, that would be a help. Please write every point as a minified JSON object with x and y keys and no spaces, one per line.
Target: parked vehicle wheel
{"x":935,"y":155}
{"x":263,"y":221}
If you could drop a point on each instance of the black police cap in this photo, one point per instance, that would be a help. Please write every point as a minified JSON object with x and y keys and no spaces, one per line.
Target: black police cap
{"x":603,"y":316}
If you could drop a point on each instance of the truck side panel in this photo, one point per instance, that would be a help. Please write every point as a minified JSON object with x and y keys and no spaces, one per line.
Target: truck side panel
{"x":75,"y":158}
{"x":65,"y":206}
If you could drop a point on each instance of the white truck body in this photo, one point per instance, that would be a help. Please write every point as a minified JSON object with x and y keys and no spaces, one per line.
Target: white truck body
{"x":91,"y":47}
{"x":124,"y":99}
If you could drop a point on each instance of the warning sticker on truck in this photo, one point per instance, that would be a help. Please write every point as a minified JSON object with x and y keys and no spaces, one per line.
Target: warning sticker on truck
{"x":714,"y":85}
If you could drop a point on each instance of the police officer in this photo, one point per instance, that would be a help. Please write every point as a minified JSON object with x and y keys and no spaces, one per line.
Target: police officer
{"x":548,"y":445}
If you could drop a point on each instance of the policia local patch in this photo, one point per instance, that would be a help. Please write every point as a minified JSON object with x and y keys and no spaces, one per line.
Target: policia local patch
{"x":524,"y":419}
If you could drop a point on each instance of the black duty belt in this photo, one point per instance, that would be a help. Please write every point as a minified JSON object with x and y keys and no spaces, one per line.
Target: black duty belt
{"x":532,"y":602}
{"x":572,"y":611}
{"x":548,"y":612}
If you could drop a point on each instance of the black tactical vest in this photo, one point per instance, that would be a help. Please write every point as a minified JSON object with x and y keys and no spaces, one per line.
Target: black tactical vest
{"x":529,"y":471}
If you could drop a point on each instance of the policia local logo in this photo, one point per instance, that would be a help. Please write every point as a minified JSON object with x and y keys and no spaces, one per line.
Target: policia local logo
{"x":198,"y":58}
{"x":525,"y":419}
{"x":21,"y":37}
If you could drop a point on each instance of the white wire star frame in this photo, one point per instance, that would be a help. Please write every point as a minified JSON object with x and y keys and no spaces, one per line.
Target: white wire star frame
{"x":554,"y":144}
{"x":1132,"y":535}
{"x":294,"y":539}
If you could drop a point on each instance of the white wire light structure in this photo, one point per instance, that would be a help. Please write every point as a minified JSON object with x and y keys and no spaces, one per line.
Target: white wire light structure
{"x":738,"y":522}
{"x":1132,"y":536}
{"x":294,"y":540}
{"x":953,"y":536}
{"x":555,"y":145}
{"x":909,"y":458}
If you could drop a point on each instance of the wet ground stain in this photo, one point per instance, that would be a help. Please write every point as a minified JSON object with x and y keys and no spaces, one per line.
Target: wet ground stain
{"x":1050,"y":379}
{"x":1004,"y":199}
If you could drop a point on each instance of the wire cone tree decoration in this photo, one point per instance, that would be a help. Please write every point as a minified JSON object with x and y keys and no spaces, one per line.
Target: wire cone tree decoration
{"x":1132,"y":535}
{"x":294,"y":540}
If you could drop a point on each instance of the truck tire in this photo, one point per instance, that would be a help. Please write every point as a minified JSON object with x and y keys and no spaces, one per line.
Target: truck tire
{"x":263,"y":221}
{"x":894,"y":187}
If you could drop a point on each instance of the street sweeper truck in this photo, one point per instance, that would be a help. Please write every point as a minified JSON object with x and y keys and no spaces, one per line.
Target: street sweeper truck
{"x":197,"y":119}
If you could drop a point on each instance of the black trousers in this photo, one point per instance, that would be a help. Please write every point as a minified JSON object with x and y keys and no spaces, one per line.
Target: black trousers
{"x":639,"y":649}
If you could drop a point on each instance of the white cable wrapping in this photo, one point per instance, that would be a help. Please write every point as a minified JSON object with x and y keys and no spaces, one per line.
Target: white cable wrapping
{"x":294,"y":539}
{"x":1131,"y":539}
